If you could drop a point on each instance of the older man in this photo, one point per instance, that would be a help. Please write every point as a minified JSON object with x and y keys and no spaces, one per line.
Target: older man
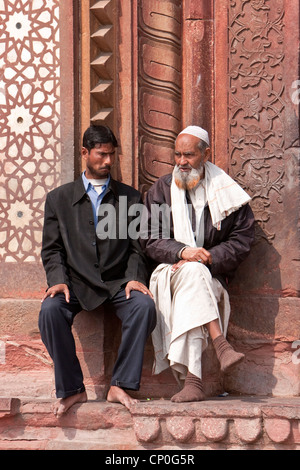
{"x":211,"y":231}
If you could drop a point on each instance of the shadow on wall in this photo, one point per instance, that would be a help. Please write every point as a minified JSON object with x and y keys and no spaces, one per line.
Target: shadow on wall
{"x":255,"y":307}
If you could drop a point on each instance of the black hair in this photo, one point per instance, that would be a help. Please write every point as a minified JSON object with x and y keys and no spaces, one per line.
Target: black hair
{"x":98,"y":135}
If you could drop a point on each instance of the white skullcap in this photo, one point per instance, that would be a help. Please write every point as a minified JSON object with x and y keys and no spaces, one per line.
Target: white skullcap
{"x":197,"y":132}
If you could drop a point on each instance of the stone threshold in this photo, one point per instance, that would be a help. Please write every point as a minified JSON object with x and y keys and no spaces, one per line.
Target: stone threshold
{"x":254,"y":423}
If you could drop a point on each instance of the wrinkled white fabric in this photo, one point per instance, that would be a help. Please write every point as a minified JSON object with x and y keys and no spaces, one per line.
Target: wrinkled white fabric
{"x":198,"y":199}
{"x":185,"y":301}
{"x":224,"y":196}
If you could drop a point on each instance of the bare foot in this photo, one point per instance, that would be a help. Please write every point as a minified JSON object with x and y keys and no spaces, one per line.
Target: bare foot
{"x":64,"y":404}
{"x":118,"y":395}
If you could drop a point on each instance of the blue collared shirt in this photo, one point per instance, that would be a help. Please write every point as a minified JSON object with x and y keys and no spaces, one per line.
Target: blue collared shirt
{"x":95,"y":198}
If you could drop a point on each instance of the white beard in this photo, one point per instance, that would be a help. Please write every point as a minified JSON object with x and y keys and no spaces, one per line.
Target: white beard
{"x":190,"y":179}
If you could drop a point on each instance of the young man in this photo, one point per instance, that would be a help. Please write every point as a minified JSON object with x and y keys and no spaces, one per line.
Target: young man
{"x":210,"y":234}
{"x":85,"y":269}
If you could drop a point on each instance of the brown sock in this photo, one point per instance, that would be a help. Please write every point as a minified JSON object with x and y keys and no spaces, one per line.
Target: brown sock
{"x":226,"y":355}
{"x":192,"y":390}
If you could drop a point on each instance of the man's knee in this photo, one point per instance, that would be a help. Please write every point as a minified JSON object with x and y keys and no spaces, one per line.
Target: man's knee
{"x":193,"y":268}
{"x":53,"y":311}
{"x":146,"y":308}
{"x":192,"y":277}
{"x":48,"y":312}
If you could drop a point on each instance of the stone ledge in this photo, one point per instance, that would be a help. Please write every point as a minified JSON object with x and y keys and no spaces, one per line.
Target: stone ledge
{"x":5,"y":406}
{"x":238,"y":421}
{"x":218,"y":423}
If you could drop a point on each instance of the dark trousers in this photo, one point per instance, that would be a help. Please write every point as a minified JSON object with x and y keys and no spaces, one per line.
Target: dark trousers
{"x":138,"y":318}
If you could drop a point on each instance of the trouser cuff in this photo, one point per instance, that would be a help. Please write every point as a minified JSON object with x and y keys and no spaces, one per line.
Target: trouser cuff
{"x":69,"y":393}
{"x":126,"y":385}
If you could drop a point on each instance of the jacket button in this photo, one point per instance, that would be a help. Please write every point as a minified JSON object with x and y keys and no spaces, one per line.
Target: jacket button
{"x":94,"y":243}
{"x":91,"y":222}
{"x":96,"y":265}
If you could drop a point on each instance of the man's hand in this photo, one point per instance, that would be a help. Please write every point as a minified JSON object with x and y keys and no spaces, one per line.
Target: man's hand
{"x":196,"y":254}
{"x":57,"y":289}
{"x":136,"y":285}
{"x":177,"y":265}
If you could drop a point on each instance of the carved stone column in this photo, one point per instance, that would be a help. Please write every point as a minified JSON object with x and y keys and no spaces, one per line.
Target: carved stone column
{"x":159,"y":86}
{"x":198,"y":64}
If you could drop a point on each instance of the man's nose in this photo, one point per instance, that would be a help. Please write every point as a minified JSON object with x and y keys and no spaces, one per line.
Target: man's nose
{"x":107,"y":159}
{"x":182,"y":160}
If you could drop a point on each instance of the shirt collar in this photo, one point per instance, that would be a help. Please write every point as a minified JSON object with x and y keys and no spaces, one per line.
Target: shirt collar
{"x":80,"y":190}
{"x":87,"y":184}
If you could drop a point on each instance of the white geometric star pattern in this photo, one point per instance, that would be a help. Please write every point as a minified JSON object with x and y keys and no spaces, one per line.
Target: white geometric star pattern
{"x":29,"y":122}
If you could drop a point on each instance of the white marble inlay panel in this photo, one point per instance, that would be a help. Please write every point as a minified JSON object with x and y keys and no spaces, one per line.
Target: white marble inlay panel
{"x":30,"y":161}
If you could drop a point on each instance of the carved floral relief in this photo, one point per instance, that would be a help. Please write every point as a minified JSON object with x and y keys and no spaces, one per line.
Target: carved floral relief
{"x":256,"y":105}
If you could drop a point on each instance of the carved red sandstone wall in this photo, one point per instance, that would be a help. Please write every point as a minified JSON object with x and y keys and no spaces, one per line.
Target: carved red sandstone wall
{"x":263,"y":137}
{"x":159,"y":81}
{"x":103,"y":59}
{"x":146,"y":83}
{"x":36,"y":155}
{"x":256,"y":104}
{"x":255,"y":136}
{"x":30,"y":128}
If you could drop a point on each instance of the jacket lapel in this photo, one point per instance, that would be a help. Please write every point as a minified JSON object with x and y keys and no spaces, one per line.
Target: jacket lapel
{"x":79,"y":191}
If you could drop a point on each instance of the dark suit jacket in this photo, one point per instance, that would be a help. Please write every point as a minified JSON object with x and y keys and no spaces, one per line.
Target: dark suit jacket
{"x":228,"y":246}
{"x":72,"y":253}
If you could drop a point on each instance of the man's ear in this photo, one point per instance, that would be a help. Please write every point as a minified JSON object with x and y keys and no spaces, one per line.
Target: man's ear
{"x":84,"y":152}
{"x":206,"y":154}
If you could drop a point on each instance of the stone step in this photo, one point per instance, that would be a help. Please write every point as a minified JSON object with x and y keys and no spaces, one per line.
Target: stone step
{"x":217,"y":423}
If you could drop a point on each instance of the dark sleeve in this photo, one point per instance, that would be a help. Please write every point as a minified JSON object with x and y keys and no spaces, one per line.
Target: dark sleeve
{"x":157,"y":235}
{"x":137,"y":265}
{"x":53,"y":251}
{"x":229,"y":253}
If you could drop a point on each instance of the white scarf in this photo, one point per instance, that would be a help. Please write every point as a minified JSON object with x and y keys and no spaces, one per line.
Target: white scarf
{"x":224,"y":196}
